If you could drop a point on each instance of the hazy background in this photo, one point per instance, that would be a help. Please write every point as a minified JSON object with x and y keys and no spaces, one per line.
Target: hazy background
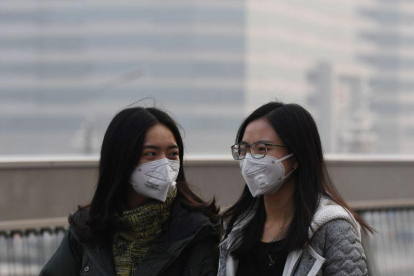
{"x":67,"y":67}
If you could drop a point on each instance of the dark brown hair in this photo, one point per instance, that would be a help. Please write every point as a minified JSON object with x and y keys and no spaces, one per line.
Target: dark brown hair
{"x":298,"y":130}
{"x":120,"y":153}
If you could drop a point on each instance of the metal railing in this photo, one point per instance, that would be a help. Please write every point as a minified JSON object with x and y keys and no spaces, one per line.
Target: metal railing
{"x":390,"y":251}
{"x":26,"y":246}
{"x":24,"y":253}
{"x":24,"y":250}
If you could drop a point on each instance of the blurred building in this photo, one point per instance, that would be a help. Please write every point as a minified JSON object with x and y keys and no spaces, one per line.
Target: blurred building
{"x":350,"y":63}
{"x":67,"y":67}
{"x":301,"y":51}
{"x":391,"y":65}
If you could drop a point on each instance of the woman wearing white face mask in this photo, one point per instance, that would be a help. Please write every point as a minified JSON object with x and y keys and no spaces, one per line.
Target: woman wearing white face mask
{"x":290,"y":219}
{"x":143,"y":219}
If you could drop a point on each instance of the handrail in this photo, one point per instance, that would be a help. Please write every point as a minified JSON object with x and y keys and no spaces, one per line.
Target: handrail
{"x":358,"y":206}
{"x":377,"y":205}
{"x":34,"y":223}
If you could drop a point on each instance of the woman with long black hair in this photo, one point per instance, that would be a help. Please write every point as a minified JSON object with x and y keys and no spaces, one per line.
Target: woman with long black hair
{"x":143,"y":219}
{"x":290,"y":219}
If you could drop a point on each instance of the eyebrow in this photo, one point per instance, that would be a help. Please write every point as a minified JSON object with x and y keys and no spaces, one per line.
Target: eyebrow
{"x":158,"y":148}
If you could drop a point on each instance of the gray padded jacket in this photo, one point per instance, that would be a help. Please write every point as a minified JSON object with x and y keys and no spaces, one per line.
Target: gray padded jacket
{"x":334,"y":249}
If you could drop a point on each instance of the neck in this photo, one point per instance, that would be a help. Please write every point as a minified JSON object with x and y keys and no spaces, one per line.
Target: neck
{"x":279,"y":206}
{"x":134,"y":199}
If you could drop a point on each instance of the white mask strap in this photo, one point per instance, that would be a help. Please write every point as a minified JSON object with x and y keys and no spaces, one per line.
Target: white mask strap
{"x":286,"y":176}
{"x":286,"y":157}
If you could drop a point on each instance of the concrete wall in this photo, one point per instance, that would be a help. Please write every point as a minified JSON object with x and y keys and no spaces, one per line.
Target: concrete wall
{"x":47,"y":188}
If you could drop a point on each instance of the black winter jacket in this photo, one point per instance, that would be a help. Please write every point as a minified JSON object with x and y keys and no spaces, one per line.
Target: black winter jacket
{"x":187,"y":246}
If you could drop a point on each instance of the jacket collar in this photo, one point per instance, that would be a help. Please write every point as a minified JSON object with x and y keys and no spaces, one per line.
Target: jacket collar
{"x":326,"y":211}
{"x":184,"y":228}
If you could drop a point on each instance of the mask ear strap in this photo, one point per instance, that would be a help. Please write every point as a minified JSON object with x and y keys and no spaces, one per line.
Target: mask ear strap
{"x":286,"y":176}
{"x":286,"y":157}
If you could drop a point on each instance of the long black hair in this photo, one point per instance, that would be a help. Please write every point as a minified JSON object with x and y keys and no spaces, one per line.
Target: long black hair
{"x":120,"y":153}
{"x":298,"y":131}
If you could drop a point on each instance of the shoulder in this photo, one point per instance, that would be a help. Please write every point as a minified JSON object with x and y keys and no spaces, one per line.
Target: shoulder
{"x":183,"y":213}
{"x":80,"y":216}
{"x":329,"y":211}
{"x":339,"y":243}
{"x":187,"y":221}
{"x":338,"y":226}
{"x":79,"y":228}
{"x":338,"y":240}
{"x":335,"y":231}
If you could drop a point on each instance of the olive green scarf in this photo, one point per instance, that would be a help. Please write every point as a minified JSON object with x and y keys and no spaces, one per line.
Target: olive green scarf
{"x":138,"y":228}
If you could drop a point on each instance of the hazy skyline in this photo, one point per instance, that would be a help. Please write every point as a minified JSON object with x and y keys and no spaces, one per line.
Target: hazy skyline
{"x":68,"y":67}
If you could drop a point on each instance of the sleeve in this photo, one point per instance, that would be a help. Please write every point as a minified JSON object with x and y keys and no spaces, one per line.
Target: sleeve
{"x":66,"y":261}
{"x":344,"y":254}
{"x":203,"y":258}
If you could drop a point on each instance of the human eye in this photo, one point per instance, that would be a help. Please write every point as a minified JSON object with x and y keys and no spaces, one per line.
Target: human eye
{"x":261,"y":148}
{"x":174,"y":154}
{"x":149,"y":153}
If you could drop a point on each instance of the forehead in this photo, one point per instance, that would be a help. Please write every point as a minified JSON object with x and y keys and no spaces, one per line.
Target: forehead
{"x":159,"y":134}
{"x":260,"y":130}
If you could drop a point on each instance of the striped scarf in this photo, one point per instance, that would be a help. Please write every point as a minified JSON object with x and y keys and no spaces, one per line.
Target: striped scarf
{"x":138,"y":229}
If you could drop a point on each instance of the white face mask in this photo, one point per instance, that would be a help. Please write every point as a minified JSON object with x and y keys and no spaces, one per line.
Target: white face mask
{"x":156,"y":179}
{"x":265,"y":175}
